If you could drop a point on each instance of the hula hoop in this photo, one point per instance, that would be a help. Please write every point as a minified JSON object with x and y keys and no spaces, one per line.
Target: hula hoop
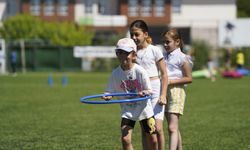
{"x":87,"y":100}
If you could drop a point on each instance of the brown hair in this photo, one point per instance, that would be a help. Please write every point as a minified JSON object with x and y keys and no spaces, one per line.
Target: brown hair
{"x":143,"y":26}
{"x":175,"y":35}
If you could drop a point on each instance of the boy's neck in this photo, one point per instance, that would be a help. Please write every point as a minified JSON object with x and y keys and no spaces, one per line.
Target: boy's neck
{"x":127,"y":67}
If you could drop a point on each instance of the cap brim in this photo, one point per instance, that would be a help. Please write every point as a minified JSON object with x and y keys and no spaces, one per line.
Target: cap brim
{"x":127,"y":49}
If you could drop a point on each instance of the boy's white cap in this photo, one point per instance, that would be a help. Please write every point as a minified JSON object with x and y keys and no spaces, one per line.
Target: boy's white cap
{"x":126,"y":44}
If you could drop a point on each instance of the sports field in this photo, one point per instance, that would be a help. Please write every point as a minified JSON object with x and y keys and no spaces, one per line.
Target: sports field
{"x":36,"y":116}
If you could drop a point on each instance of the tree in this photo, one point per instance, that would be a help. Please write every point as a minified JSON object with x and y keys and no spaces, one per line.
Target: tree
{"x":66,"y":34}
{"x":26,"y":27}
{"x":20,"y":27}
{"x":200,"y":54}
{"x":243,"y":9}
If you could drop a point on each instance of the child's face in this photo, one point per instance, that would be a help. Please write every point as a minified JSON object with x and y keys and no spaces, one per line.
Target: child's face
{"x":169,"y":43}
{"x":138,"y":36}
{"x":125,"y":58}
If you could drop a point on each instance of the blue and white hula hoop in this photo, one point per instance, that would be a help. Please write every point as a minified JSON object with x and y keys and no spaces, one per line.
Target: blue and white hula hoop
{"x":87,"y":99}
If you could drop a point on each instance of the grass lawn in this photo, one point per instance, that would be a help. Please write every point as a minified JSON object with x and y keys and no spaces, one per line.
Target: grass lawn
{"x":36,"y":116}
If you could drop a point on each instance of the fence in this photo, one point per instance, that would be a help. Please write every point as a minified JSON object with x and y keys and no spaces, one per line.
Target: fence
{"x":46,"y":58}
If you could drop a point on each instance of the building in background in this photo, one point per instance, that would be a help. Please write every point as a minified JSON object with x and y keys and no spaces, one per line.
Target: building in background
{"x":106,"y":17}
{"x":9,"y":8}
{"x":50,"y":10}
{"x":197,"y":19}
{"x":156,"y":13}
{"x":113,"y":17}
{"x":202,"y":17}
{"x":102,"y":16}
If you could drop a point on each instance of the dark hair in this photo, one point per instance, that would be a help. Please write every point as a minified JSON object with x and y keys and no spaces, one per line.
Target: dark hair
{"x":175,"y":35}
{"x":143,"y":26}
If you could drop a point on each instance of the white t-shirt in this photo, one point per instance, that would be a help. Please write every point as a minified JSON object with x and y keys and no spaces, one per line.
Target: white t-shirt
{"x":131,"y":81}
{"x":148,"y":57}
{"x":175,"y":61}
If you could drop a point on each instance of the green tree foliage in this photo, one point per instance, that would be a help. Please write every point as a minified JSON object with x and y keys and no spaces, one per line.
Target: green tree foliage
{"x":243,"y":9}
{"x":67,"y":34}
{"x":200,"y":54}
{"x":30,"y":28}
{"x":20,"y":27}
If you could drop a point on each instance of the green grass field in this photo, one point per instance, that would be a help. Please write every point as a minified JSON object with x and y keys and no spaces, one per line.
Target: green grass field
{"x":36,"y":116}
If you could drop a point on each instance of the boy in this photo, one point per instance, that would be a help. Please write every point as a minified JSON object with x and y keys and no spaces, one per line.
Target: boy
{"x":129,"y":77}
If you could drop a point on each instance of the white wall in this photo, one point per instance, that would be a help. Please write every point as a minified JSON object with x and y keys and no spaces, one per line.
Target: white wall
{"x":2,"y":57}
{"x":238,"y":36}
{"x":199,"y":15}
{"x":208,"y":2}
{"x":79,"y":9}
{"x":2,"y":9}
{"x":203,"y":17}
{"x":110,"y":6}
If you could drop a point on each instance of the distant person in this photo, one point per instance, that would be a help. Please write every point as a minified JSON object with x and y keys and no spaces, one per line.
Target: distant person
{"x":129,"y":77}
{"x":179,"y":73}
{"x":211,"y":69}
{"x":228,"y":54}
{"x":240,"y":60}
{"x":13,"y":61}
{"x":151,"y":58}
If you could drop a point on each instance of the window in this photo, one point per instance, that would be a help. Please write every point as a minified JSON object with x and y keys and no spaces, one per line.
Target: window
{"x":88,"y":6}
{"x":176,"y":6}
{"x":159,"y":8}
{"x":101,"y":7}
{"x":63,"y":7}
{"x":12,"y":8}
{"x":35,"y":7}
{"x":49,"y":7}
{"x":132,"y":8}
{"x":146,"y":8}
